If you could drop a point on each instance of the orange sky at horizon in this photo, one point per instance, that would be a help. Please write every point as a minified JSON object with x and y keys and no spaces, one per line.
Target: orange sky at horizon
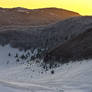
{"x":83,"y":7}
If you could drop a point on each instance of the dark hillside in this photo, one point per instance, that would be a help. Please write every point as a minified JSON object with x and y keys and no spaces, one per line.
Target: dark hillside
{"x":75,"y":49}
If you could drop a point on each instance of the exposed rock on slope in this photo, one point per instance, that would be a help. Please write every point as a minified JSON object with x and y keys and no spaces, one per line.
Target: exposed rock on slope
{"x":26,"y":17}
{"x":74,"y":49}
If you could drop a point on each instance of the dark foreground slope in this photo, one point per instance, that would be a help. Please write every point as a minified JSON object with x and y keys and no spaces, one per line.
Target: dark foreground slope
{"x":27,"y":17}
{"x":75,"y":49}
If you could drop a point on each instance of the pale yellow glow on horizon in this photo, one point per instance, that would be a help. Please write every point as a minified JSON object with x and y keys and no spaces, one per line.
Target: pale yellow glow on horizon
{"x":83,"y":7}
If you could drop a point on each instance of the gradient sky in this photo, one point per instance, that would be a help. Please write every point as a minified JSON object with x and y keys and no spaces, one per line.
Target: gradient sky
{"x":83,"y":7}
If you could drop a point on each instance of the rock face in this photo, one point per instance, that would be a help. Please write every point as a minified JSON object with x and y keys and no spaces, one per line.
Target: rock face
{"x":37,"y":17}
{"x":75,"y":49}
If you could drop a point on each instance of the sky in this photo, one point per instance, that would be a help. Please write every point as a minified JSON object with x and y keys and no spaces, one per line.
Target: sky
{"x":84,"y":7}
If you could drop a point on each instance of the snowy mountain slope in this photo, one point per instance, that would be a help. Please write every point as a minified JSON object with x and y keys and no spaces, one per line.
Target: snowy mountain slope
{"x":13,"y":56}
{"x":74,"y":77}
{"x":18,"y":77}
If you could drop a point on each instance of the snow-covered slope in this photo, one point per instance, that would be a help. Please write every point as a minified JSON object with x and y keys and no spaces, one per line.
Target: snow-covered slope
{"x":19,"y":77}
{"x":12,"y":56}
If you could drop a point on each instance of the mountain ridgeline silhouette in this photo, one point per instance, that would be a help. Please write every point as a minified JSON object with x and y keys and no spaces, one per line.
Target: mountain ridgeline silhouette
{"x":33,"y":17}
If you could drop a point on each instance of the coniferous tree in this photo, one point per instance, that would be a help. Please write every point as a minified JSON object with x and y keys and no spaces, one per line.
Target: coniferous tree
{"x":16,"y":56}
{"x":52,"y":72}
{"x":9,"y":54}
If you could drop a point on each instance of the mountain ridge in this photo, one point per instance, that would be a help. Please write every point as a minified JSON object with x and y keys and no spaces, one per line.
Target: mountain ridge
{"x":33,"y":17}
{"x":45,"y":37}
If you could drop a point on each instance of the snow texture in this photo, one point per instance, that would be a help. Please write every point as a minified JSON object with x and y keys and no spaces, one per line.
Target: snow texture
{"x":19,"y":77}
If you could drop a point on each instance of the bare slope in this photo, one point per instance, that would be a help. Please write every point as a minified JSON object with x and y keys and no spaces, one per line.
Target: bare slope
{"x":26,"y":17}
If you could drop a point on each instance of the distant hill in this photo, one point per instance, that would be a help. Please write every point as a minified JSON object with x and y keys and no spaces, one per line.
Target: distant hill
{"x":36,"y":17}
{"x":45,"y":37}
